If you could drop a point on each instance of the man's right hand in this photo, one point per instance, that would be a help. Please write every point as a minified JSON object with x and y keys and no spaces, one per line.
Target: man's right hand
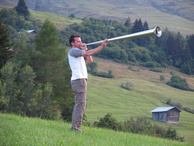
{"x":83,"y":47}
{"x":104,"y":43}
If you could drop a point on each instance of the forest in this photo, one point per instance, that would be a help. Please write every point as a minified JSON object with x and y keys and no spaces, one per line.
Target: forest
{"x":170,"y":50}
{"x":34,"y":72}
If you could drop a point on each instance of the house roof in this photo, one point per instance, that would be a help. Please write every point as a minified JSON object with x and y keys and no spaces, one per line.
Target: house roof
{"x":164,"y":109}
{"x":29,"y":31}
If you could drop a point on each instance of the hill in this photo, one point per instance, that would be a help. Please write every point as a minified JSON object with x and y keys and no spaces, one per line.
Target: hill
{"x":60,"y":21}
{"x":176,"y":15}
{"x":106,"y":96}
{"x":16,"y":130}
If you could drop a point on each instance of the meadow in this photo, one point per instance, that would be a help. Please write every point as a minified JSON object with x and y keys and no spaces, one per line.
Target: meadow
{"x":106,"y":96}
{"x":60,"y":21}
{"x":17,"y":130}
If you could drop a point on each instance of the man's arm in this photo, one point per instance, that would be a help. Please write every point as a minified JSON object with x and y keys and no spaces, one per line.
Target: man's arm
{"x":96,"y":50}
{"x":89,"y":59}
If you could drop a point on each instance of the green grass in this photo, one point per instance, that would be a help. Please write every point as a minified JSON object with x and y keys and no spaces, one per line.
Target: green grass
{"x":106,"y":96}
{"x":60,"y":21}
{"x":17,"y":130}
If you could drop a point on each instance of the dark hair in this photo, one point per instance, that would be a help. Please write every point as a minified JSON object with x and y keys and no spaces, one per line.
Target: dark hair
{"x":71,"y":38}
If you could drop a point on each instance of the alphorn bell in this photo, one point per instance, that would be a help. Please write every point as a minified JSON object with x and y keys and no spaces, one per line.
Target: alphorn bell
{"x":156,"y":31}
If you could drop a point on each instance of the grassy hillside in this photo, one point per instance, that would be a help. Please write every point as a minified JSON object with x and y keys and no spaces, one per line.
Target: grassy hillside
{"x":16,"y":130}
{"x":60,"y":21}
{"x":176,"y":15}
{"x":106,"y":95}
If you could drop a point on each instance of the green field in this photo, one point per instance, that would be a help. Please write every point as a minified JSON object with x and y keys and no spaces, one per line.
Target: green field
{"x":60,"y":21}
{"x":106,"y":96}
{"x":16,"y":130}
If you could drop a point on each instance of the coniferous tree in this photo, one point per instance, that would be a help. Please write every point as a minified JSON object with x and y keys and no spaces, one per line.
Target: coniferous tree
{"x":8,"y":77}
{"x":187,"y":67}
{"x":26,"y":85}
{"x":146,"y":40}
{"x":137,"y":27}
{"x":128,"y":22}
{"x":51,"y":66}
{"x":187,"y":54}
{"x":178,"y":50}
{"x":190,"y":43}
{"x":145,"y":25}
{"x":5,"y":44}
{"x":169,"y":46}
{"x":22,"y":9}
{"x":49,"y":52}
{"x":164,"y":39}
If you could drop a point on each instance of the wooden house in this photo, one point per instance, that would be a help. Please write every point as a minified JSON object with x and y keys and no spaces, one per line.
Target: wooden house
{"x":166,"y":114}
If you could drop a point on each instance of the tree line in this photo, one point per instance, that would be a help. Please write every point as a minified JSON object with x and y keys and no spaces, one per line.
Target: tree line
{"x":172,"y":49}
{"x":34,"y":72}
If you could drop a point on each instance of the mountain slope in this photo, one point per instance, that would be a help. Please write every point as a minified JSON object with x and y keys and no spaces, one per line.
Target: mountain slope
{"x":176,"y":15}
{"x":106,"y":96}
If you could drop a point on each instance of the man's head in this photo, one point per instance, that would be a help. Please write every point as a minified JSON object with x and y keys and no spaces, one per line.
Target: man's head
{"x":75,"y":41}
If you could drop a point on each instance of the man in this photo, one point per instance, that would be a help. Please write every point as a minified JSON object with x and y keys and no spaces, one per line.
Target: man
{"x":78,"y":56}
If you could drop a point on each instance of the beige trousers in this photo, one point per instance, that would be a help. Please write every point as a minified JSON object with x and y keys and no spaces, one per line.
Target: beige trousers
{"x":79,"y":87}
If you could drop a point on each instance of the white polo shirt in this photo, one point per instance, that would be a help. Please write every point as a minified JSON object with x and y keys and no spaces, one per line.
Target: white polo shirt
{"x":77,"y":64}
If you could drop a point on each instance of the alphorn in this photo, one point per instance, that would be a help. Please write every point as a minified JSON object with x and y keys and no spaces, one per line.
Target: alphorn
{"x":155,"y":31}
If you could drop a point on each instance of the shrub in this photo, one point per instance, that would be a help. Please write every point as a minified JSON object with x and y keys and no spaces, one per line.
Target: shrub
{"x":127,"y":126}
{"x":138,"y":126}
{"x":128,"y":86}
{"x":92,"y":67}
{"x":186,"y":68}
{"x":162,"y":78}
{"x":103,"y":74}
{"x":179,"y":105}
{"x":188,"y":110}
{"x":156,"y":70}
{"x":172,"y":134}
{"x":107,"y":122}
{"x":150,"y":64}
{"x":179,"y":83}
{"x":130,"y":67}
{"x":172,"y":73}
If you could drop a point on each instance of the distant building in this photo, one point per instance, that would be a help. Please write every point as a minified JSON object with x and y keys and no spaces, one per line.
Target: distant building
{"x":166,"y":114}
{"x":32,"y":32}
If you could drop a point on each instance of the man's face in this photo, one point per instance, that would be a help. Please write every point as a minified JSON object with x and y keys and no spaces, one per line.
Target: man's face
{"x":77,"y":43}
